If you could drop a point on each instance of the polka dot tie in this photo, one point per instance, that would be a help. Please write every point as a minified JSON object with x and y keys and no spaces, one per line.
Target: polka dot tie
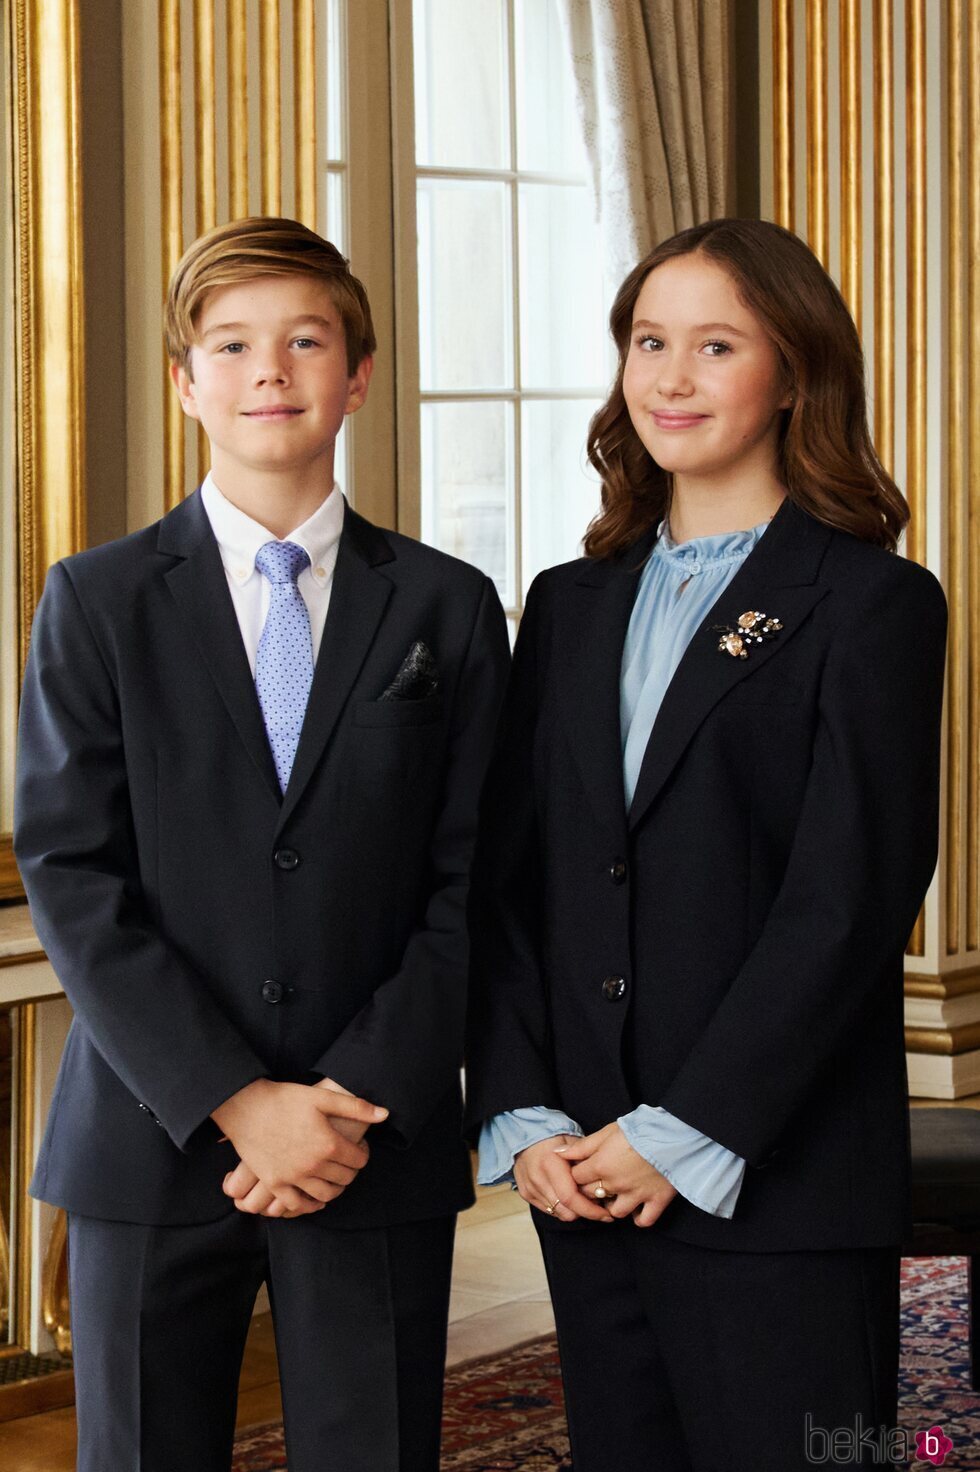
{"x":284,"y":661}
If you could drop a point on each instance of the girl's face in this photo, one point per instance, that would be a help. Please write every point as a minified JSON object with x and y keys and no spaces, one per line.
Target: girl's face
{"x":702,"y":380}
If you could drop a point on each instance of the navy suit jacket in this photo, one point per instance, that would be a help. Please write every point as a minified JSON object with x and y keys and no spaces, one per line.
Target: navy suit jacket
{"x":732,"y":947}
{"x":209,"y":930}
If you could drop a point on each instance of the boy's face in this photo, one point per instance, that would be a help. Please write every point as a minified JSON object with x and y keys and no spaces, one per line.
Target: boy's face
{"x":269,"y":379}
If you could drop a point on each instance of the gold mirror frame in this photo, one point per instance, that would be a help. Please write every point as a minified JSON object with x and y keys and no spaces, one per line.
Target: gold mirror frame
{"x":49,"y":388}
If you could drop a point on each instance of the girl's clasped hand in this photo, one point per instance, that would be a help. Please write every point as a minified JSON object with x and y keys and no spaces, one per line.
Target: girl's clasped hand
{"x":561,"y":1179}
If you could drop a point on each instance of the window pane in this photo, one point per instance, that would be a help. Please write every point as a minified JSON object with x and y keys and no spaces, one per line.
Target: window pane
{"x":341,"y":464}
{"x":560,"y":491}
{"x":461,"y":108}
{"x":549,"y":136}
{"x":468,"y":505}
{"x":336,"y":53}
{"x":336,"y":232}
{"x":465,"y":292}
{"x":563,"y":321}
{"x":336,"y":211}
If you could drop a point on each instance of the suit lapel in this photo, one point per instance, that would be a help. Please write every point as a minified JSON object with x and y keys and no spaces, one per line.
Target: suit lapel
{"x":357,"y":603}
{"x":200,"y":590}
{"x":597,"y":615}
{"x":778,"y":578}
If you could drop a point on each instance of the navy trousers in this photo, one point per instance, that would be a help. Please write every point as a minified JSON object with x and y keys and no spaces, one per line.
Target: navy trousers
{"x":160,"y":1315}
{"x":688,"y":1359}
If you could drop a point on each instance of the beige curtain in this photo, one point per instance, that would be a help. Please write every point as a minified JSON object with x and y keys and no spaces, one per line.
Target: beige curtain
{"x":653,"y":85}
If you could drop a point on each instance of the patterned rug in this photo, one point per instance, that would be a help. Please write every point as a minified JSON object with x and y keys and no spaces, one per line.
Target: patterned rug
{"x":505,"y":1414}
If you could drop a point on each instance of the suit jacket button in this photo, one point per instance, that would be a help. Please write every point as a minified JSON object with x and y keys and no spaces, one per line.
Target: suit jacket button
{"x":286,"y":858}
{"x":272,"y":992}
{"x":614,"y":988}
{"x":618,"y":870}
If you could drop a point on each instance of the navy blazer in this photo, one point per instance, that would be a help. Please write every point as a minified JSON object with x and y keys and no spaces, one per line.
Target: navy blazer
{"x":209,"y":930}
{"x":732,"y":948}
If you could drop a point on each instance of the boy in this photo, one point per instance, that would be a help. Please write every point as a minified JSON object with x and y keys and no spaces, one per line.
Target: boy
{"x":244,"y":827}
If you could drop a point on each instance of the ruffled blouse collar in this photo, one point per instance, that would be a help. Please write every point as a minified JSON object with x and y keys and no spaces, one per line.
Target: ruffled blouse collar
{"x":700,"y":553}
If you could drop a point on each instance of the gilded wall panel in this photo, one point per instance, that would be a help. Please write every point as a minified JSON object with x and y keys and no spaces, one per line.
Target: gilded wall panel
{"x":231,"y":105}
{"x":889,"y":197}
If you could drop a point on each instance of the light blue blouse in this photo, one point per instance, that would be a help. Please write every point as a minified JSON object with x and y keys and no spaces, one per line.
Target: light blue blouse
{"x":678,"y":587}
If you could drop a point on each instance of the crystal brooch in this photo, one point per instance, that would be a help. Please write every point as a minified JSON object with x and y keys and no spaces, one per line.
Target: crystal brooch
{"x":750,"y":628}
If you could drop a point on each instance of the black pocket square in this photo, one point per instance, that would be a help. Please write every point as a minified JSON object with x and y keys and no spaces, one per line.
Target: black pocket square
{"x":418,"y":678}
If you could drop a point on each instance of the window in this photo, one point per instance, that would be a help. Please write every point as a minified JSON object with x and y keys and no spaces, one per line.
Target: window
{"x":513,"y":354}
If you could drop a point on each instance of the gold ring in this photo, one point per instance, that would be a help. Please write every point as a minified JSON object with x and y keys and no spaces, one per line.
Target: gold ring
{"x":551,"y":1209}
{"x":600,"y":1193}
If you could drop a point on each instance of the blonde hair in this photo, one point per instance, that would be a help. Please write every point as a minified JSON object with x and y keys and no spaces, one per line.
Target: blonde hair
{"x":263,"y":245}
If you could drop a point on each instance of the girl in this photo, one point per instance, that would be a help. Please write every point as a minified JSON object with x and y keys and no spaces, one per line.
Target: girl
{"x":708,"y":829}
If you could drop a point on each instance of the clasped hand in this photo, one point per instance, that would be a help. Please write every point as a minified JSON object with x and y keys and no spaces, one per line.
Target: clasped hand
{"x":299,"y":1145}
{"x":557,"y":1176}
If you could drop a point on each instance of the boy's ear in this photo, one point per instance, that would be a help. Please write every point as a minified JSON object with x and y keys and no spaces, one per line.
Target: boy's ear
{"x":357,"y":385}
{"x":184,"y":385}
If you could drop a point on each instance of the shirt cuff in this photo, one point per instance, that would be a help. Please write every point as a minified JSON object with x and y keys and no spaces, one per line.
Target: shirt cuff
{"x":705,"y":1173}
{"x":504,"y":1136}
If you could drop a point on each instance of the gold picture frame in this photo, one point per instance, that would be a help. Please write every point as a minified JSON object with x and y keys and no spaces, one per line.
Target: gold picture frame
{"x":45,"y":210}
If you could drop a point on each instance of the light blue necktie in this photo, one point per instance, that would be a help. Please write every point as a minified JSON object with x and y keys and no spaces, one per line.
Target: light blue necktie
{"x":284,"y":660}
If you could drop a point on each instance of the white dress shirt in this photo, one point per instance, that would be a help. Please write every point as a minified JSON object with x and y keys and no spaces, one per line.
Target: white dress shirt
{"x":239,"y":539}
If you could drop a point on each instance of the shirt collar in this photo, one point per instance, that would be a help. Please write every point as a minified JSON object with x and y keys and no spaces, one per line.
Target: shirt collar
{"x":239,"y":537}
{"x":702,"y":551}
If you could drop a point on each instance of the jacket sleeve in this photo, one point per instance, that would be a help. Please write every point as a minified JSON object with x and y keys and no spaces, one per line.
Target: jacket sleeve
{"x":508,"y":1058}
{"x":404,"y":1048}
{"x":861,"y":861}
{"x":144,"y":1007}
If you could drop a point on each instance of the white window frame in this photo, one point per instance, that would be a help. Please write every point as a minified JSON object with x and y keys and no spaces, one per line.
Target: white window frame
{"x":409,"y":395}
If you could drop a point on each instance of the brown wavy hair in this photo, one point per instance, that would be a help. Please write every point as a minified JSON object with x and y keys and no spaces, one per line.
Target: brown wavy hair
{"x":826,"y":459}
